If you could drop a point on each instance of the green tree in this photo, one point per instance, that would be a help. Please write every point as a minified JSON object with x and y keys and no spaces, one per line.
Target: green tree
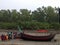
{"x":25,"y":14}
{"x":14,"y":15}
{"x":39,"y":15}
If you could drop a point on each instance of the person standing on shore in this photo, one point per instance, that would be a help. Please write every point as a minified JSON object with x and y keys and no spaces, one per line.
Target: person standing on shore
{"x":2,"y":37}
{"x":6,"y":37}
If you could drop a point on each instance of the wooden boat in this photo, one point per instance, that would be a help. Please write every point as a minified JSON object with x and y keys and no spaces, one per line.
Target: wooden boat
{"x":36,"y":38}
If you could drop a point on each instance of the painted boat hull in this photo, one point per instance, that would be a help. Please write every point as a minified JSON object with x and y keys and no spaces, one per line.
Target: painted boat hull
{"x":37,"y":38}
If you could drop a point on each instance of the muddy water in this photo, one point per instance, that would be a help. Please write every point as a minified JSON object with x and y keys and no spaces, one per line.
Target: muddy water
{"x":24,"y":42}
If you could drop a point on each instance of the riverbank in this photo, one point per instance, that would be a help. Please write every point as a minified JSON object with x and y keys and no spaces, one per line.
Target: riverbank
{"x":24,"y":42}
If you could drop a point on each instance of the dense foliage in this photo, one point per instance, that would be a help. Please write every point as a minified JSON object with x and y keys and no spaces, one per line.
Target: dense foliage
{"x":41,"y":18}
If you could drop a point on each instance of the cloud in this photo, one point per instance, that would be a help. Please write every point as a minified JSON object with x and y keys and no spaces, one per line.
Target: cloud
{"x":29,"y":4}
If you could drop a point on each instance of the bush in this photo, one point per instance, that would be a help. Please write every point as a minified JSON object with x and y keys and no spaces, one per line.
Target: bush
{"x":29,"y":25}
{"x":33,"y":25}
{"x":5,"y":25}
{"x":54,"y":26}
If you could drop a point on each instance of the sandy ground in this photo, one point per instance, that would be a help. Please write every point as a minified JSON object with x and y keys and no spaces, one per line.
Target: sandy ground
{"x":22,"y":42}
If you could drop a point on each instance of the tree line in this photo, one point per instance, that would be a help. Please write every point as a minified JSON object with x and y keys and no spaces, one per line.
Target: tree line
{"x":26,"y":17}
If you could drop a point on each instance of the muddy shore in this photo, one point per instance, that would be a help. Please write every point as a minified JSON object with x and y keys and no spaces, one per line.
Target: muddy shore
{"x":24,"y":42}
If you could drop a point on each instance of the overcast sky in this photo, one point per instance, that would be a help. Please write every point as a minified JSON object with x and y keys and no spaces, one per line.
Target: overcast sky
{"x":27,"y":4}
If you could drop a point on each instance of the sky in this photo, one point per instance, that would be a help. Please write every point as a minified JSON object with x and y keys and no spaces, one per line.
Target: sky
{"x":28,"y":4}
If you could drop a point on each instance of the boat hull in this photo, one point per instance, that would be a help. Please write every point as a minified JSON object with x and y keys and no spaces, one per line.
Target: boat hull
{"x":37,"y":38}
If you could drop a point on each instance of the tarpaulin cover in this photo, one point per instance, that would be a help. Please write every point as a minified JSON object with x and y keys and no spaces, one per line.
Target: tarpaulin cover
{"x":42,"y":30}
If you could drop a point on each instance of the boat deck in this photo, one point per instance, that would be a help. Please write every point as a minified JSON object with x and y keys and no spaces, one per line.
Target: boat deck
{"x":38,"y":34}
